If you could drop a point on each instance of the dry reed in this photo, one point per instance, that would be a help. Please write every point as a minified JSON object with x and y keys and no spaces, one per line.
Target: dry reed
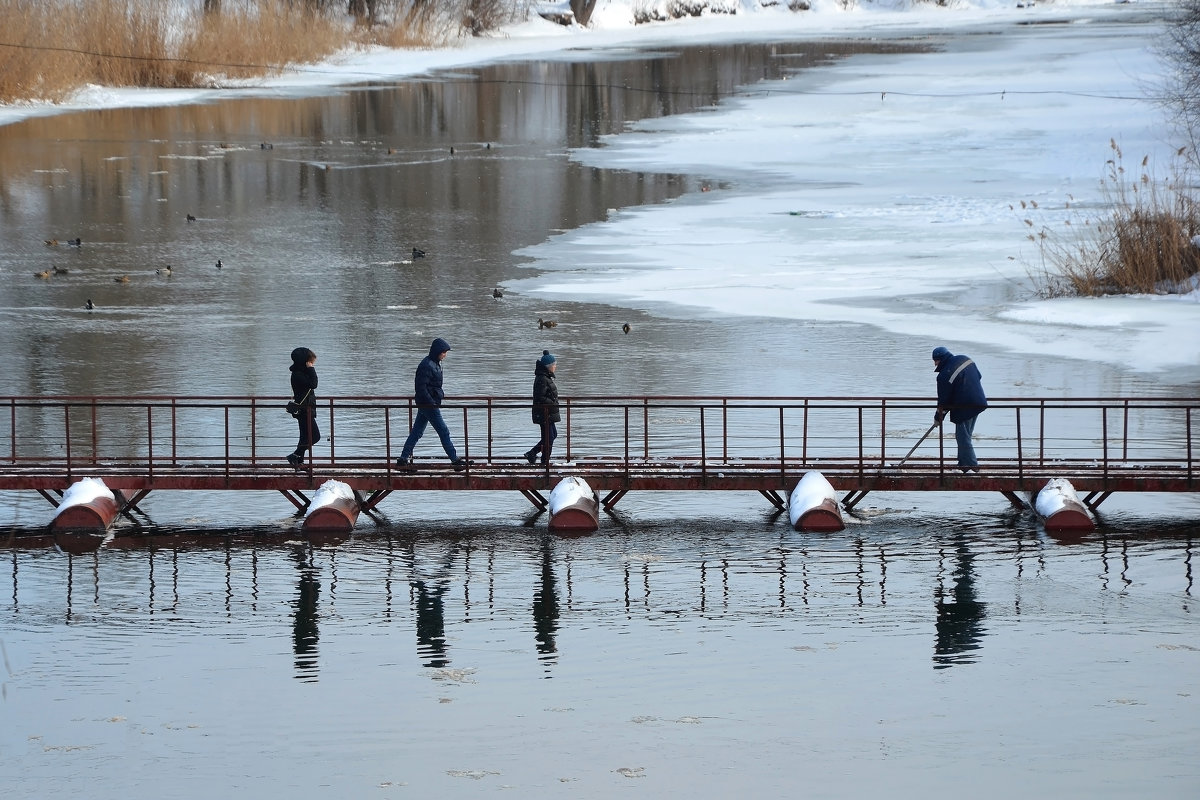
{"x":1145,"y":243}
{"x":51,"y":48}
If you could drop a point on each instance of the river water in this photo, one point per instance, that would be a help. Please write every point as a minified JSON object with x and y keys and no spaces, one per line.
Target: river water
{"x":694,"y":646}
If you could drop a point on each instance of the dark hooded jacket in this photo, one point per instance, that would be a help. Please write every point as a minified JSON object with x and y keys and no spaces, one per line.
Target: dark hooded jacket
{"x":304,"y":378}
{"x":960,"y":388}
{"x":427,"y":388}
{"x":545,"y":396}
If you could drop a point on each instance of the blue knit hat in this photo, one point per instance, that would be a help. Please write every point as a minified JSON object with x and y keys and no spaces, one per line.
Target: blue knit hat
{"x":940,"y":353}
{"x":547,"y":358}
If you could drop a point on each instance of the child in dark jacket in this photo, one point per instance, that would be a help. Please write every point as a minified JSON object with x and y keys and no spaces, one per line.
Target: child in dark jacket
{"x":545,"y":407}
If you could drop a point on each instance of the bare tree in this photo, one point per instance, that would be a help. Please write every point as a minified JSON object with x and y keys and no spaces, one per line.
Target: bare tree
{"x":1181,"y":89}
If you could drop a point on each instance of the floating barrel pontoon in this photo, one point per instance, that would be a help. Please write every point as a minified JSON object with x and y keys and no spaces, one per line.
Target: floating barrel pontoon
{"x":334,"y":509}
{"x":574,"y":507}
{"x":88,"y":505}
{"x":1060,"y":509}
{"x":813,"y":505}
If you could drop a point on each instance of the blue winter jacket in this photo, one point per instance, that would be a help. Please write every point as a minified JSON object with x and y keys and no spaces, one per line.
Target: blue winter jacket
{"x":428,"y":383}
{"x":960,"y":388}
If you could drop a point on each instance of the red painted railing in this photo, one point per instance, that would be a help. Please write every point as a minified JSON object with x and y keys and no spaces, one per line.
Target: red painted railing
{"x":853,"y":436}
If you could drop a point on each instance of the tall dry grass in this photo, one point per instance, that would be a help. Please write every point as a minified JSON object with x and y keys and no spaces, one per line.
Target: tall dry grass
{"x":51,"y":48}
{"x":1143,"y":241}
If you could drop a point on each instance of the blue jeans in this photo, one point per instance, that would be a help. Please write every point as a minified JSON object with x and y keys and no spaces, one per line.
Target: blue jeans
{"x":966,"y":451}
{"x":429,"y":415}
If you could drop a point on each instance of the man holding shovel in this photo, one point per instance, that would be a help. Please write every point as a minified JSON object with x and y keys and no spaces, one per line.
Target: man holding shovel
{"x":960,"y":394}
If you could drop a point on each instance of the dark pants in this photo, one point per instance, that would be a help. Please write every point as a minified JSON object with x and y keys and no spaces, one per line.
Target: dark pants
{"x":429,"y":415}
{"x":546,"y":444}
{"x":309,"y":433}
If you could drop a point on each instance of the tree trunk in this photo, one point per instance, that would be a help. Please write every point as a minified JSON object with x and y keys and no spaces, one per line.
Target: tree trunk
{"x":212,"y":7}
{"x":582,"y":9}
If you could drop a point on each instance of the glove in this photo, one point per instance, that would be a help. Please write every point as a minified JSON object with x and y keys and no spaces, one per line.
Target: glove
{"x":938,"y":416}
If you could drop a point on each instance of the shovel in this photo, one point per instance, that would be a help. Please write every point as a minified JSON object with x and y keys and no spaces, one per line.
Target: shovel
{"x":915,"y":446}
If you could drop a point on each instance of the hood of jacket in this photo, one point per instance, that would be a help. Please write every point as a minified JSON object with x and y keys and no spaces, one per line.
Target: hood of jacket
{"x":438,"y":347}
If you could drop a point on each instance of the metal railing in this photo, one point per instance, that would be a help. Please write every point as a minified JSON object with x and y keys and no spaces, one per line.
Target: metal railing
{"x":850,"y":434}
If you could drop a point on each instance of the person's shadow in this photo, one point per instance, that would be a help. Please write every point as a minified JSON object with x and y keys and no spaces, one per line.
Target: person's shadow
{"x":431,"y":623}
{"x":305,"y":632}
{"x":545,"y":607}
{"x":959,"y":615}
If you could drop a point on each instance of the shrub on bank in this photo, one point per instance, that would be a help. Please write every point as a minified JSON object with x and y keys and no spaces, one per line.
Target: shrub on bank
{"x":1147,"y":239}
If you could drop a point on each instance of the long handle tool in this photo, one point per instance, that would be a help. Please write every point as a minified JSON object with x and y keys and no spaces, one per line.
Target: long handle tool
{"x":918,"y":444}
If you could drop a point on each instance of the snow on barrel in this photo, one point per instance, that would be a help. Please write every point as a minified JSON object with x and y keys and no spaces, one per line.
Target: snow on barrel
{"x":334,"y":508}
{"x":1060,"y":508}
{"x":813,"y":505}
{"x":573,"y":507}
{"x":88,"y":504}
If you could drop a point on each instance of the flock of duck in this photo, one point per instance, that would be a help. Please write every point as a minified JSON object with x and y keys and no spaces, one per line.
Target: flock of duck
{"x":167,"y":271}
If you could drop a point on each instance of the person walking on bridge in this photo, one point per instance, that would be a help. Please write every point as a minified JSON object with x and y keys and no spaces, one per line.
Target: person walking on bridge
{"x":545,"y":407}
{"x":304,"y":388}
{"x":959,"y":394}
{"x":428,"y":396}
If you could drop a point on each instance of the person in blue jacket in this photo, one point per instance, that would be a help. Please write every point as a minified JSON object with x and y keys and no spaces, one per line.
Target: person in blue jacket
{"x":428,"y":395}
{"x":960,"y":394}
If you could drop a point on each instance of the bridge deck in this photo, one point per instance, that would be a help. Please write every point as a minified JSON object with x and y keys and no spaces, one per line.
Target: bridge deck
{"x":616,"y":444}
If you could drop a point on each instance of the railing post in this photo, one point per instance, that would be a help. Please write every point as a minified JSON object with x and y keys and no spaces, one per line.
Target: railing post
{"x":1041,"y":434}
{"x":174,"y":436}
{"x":150,"y":441}
{"x":1188,"y":421}
{"x":568,"y":431}
{"x":253,"y":430}
{"x":1125,"y":433}
{"x":67,"y":430}
{"x":725,"y":429}
{"x":882,"y":432}
{"x":782,"y":449}
{"x":1020,"y":457}
{"x":645,"y":428}
{"x":703,"y":452}
{"x":860,"y":442}
{"x":332,"y":439}
{"x":626,"y":442}
{"x":489,"y":430}
{"x":1104,"y":444}
{"x":466,"y":436}
{"x":387,"y":438}
{"x":225,"y":409}
{"x":95,"y":443}
{"x":12,"y":429}
{"x":804,"y":435}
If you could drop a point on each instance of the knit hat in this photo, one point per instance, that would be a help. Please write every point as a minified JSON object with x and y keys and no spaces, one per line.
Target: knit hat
{"x":940,"y":353}
{"x":547,"y":358}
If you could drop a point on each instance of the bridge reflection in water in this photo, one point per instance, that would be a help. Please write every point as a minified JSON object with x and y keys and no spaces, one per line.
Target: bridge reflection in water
{"x":449,"y":587}
{"x":617,"y":444}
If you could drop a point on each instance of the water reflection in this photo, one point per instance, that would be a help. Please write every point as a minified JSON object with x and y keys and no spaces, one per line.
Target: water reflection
{"x":545,"y":606}
{"x":766,"y":578}
{"x":305,"y":631}
{"x":960,"y":615}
